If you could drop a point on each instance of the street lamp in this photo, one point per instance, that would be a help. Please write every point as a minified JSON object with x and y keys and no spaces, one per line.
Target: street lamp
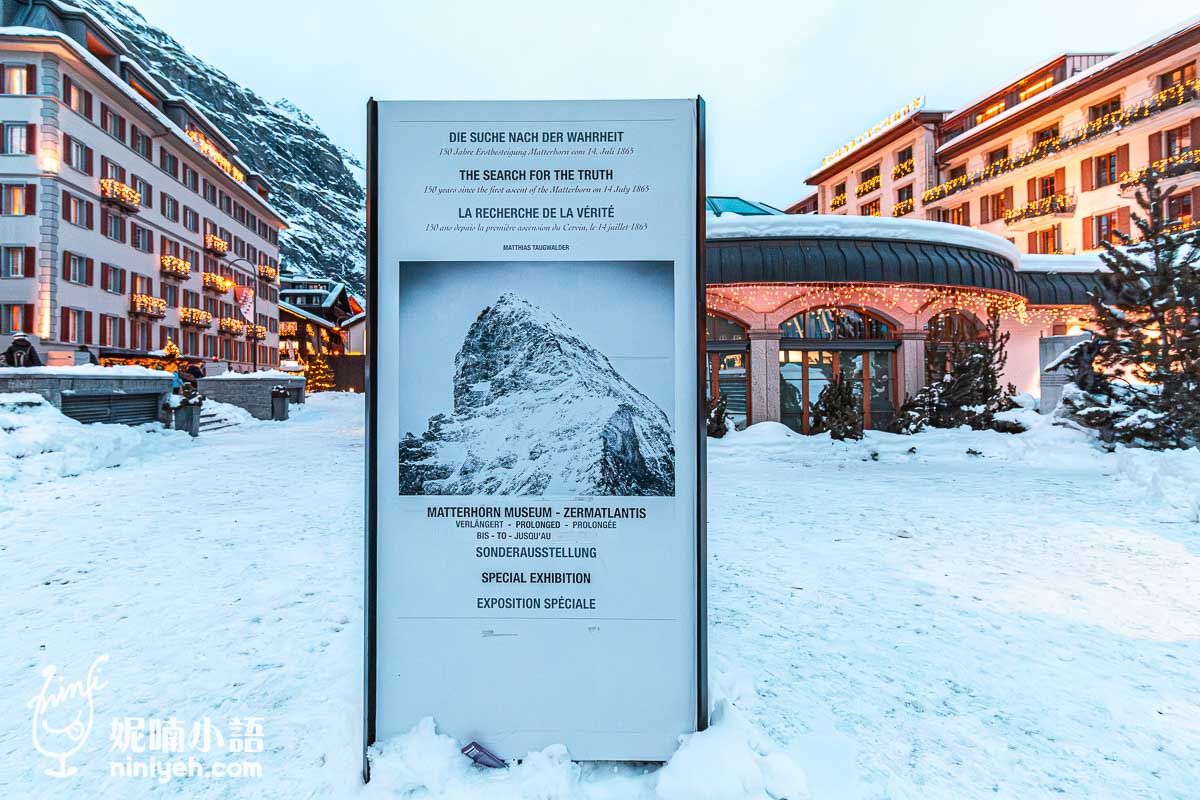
{"x":254,"y":320}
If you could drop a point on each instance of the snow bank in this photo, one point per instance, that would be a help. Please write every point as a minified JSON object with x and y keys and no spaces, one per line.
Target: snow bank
{"x":838,"y":226}
{"x":86,"y":371}
{"x":38,"y":443}
{"x":732,"y":760}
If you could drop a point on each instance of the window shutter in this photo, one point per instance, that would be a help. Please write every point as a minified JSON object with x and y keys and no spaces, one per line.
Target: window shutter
{"x":1031,"y":190}
{"x":3,"y":83}
{"x":1123,"y":219}
{"x":983,"y":211}
{"x":30,"y":199}
{"x":1060,"y":180}
{"x":104,"y":116}
{"x":27,"y":318}
{"x":66,"y":145}
{"x":966,"y":213}
{"x":31,"y":139}
{"x":1195,"y":141}
{"x":104,"y":330}
{"x":87,"y":104}
{"x":162,"y":337}
{"x":1008,"y":199}
{"x":1033,"y":240}
{"x":121,"y":231}
{"x":1122,"y":160}
{"x":87,"y":160}
{"x":66,"y":92}
{"x":31,"y":79}
{"x":1086,"y":175}
{"x":64,"y":332}
{"x":87,"y":327}
{"x":1155,"y":147}
{"x":30,"y":259}
{"x":1196,"y":202}
{"x":88,"y":215}
{"x":89,"y":268}
{"x":121,"y":332}
{"x":121,"y":285}
{"x":1089,"y":233}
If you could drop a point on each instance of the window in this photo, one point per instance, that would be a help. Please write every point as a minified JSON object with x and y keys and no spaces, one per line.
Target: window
{"x":1104,"y":170}
{"x":948,"y":336}
{"x":191,"y":178}
{"x":1177,"y":141}
{"x":19,"y":138}
{"x":954,"y":216}
{"x":191,"y":220}
{"x":868,"y":174}
{"x":1101,"y":110}
{"x":904,"y":155}
{"x":997,"y":155}
{"x":958,"y":172}
{"x":16,"y":262}
{"x":190,"y":346}
{"x":170,"y":207}
{"x":110,"y":330}
{"x":141,"y":238}
{"x":805,"y":373}
{"x":145,"y":190}
{"x":141,"y":143}
{"x":111,"y":169}
{"x":76,"y":97}
{"x":1045,"y":135}
{"x":835,"y":323}
{"x":75,"y":268}
{"x":210,"y":192}
{"x":1047,"y":240}
{"x":1179,"y":209}
{"x":19,"y":78}
{"x":990,"y":111}
{"x":112,"y":279}
{"x":112,"y":123}
{"x":17,"y":199}
{"x":76,"y":210}
{"x":870,"y":209}
{"x":1106,"y":228}
{"x":77,"y":155}
{"x":16,"y":318}
{"x":139,"y":335}
{"x":1046,"y":187}
{"x":168,"y":162}
{"x":143,"y":284}
{"x":170,"y":293}
{"x":904,"y":193}
{"x":167,"y":334}
{"x":1177,"y":76}
{"x":994,"y":206}
{"x":112,"y":225}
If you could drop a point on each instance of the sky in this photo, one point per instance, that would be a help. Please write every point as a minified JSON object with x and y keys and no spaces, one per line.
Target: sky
{"x":785,"y":82}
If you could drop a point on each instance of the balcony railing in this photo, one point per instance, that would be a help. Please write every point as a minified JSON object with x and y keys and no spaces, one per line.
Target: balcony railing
{"x":868,"y":186}
{"x":147,"y":305}
{"x":838,"y":201}
{"x":217,"y":283}
{"x":120,"y":194}
{"x":256,"y":332}
{"x":231,"y":325}
{"x":903,"y":207}
{"x":1054,"y":204}
{"x":267,"y":272}
{"x":196,"y":317}
{"x":1170,"y":167}
{"x":174,"y":266}
{"x":287,"y":329}
{"x":215,"y":244}
{"x":903,"y":168}
{"x":1137,"y":110}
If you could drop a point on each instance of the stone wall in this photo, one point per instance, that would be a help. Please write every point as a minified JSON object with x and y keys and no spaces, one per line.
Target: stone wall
{"x":1052,"y":383}
{"x":251,"y":393}
{"x":53,"y":386}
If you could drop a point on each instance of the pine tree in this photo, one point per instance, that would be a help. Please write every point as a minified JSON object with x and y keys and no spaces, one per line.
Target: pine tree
{"x":718,"y":418}
{"x":970,"y":393}
{"x":838,"y":410}
{"x":319,"y":375}
{"x":1146,"y":312}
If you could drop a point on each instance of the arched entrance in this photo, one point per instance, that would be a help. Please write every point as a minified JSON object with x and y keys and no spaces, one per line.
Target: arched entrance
{"x":727,"y":346}
{"x":819,"y":343}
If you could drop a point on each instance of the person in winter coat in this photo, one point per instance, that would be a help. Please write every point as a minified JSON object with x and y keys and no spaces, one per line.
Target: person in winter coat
{"x":21,"y":353}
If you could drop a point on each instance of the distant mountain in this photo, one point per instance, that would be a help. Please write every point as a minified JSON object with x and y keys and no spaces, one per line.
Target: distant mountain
{"x":315,"y":184}
{"x":538,"y":411}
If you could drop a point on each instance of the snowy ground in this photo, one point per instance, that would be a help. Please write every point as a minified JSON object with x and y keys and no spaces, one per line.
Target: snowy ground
{"x":1020,"y":623}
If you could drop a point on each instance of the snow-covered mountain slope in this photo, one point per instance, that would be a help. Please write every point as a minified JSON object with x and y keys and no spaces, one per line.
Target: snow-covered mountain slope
{"x":538,"y":411}
{"x":315,"y":184}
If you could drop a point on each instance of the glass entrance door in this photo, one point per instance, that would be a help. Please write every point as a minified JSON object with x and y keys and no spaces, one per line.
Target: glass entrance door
{"x":804,"y":374}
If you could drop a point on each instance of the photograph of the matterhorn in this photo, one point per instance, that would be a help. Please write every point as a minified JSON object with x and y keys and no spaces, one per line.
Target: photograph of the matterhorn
{"x":533,"y":404}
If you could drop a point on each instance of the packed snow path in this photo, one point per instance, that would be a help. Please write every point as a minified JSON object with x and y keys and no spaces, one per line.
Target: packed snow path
{"x":1021,"y":623}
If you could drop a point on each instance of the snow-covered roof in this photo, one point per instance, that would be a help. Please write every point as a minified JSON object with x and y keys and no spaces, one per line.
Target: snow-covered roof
{"x":838,"y":226}
{"x":299,"y":312}
{"x":357,"y":318}
{"x":135,"y":96}
{"x":1081,"y":262}
{"x":1050,"y":93}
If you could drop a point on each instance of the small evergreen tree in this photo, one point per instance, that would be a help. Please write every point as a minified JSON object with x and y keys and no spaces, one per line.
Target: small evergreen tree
{"x":970,"y":393}
{"x":319,"y":375}
{"x":1146,"y":311}
{"x":838,"y":410}
{"x":718,"y":418}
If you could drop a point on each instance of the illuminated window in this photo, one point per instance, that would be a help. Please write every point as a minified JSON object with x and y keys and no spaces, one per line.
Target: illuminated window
{"x":1179,"y":209}
{"x":1046,"y":135}
{"x":989,"y":112}
{"x":16,"y":137}
{"x":997,"y":155}
{"x":13,"y":319}
{"x":871,"y":209}
{"x":1105,"y":170}
{"x":1177,"y":76}
{"x":12,"y":262}
{"x":1102,"y":110}
{"x":1177,"y":141}
{"x":15,"y":80}
{"x":1036,"y":88}
{"x":14,"y":200}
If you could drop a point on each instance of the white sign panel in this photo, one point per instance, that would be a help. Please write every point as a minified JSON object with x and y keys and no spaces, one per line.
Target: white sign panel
{"x":535,"y":546}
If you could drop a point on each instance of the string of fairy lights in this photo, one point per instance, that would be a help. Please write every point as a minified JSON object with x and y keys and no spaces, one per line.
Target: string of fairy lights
{"x":896,"y":299}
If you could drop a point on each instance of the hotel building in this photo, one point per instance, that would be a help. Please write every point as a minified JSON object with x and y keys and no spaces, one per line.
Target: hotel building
{"x":127,"y":219}
{"x":1047,"y":160}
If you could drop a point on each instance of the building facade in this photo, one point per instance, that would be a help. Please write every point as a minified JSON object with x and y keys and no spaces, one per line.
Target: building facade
{"x":318,"y":315}
{"x":1048,"y":160}
{"x":127,"y":219}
